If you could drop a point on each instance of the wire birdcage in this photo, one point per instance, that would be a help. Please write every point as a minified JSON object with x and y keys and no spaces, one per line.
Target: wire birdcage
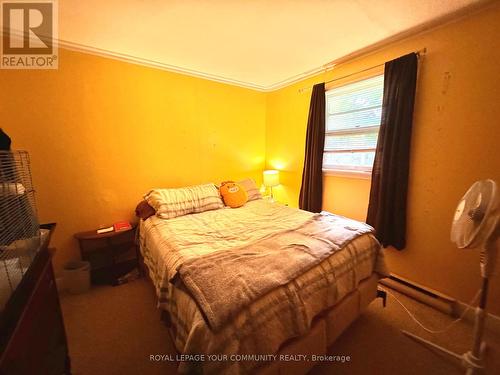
{"x":19,"y":227}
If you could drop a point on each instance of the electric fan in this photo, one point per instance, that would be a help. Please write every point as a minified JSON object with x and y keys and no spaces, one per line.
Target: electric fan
{"x":476,"y":225}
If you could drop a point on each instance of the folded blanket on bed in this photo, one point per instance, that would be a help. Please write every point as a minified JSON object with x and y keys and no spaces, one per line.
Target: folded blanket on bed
{"x":224,"y":282}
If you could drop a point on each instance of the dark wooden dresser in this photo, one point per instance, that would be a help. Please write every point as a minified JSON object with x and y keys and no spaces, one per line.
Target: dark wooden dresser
{"x":32,"y":335}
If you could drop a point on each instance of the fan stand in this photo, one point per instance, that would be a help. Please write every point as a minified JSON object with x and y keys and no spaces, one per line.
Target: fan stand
{"x":472,"y":360}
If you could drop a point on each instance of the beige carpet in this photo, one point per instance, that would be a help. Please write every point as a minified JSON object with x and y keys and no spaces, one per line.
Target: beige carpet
{"x":114,"y":330}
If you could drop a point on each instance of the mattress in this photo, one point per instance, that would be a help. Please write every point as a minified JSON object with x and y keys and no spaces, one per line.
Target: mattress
{"x":265,"y":325}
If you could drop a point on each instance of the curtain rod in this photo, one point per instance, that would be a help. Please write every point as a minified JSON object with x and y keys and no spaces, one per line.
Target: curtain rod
{"x":419,"y":53}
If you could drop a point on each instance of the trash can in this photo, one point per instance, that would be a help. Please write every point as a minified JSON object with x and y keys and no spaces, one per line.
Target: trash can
{"x":77,"y":277}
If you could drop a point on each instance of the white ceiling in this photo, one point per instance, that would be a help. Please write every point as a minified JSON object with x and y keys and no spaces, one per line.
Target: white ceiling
{"x":254,"y":43}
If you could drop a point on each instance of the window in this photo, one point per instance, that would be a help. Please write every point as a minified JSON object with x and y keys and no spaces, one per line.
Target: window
{"x":353,"y":114}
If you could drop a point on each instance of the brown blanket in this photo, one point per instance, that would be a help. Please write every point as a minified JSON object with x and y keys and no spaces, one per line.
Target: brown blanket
{"x":224,"y":282}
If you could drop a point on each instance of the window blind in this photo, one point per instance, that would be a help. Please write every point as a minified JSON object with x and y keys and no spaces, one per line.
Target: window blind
{"x":352,"y":123}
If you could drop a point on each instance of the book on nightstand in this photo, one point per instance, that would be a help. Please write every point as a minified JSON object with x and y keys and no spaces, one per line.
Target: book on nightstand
{"x":121,"y":226}
{"x":105,"y":230}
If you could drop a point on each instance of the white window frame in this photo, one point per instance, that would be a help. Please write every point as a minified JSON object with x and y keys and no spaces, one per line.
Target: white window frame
{"x":353,"y":171}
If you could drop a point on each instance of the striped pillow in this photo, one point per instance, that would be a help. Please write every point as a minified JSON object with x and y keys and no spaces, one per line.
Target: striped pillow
{"x":251,"y":188}
{"x":170,"y":203}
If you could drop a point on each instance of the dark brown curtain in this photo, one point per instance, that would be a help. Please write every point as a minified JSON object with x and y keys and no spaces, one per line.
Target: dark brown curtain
{"x":311,"y":191}
{"x":389,"y":186}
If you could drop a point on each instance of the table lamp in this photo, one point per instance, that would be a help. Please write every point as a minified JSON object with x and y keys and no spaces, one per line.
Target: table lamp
{"x":271,"y":179}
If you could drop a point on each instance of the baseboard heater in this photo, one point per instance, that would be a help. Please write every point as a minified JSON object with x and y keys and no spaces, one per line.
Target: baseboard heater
{"x":437,"y":300}
{"x":422,"y":294}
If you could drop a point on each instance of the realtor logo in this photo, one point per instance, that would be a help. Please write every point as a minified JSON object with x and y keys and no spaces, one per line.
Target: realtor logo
{"x":29,"y":35}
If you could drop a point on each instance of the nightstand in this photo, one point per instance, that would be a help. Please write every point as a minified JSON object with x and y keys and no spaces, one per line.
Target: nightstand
{"x":111,"y":255}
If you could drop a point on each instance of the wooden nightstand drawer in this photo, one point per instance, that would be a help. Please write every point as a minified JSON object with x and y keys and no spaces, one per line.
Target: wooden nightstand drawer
{"x":111,"y":255}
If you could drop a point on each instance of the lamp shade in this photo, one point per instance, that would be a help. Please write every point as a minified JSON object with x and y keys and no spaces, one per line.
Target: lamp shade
{"x":271,"y":178}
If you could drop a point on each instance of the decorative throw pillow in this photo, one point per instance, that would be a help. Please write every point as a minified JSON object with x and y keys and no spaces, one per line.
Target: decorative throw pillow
{"x":233,"y":194}
{"x":251,"y":188}
{"x":170,"y":203}
{"x":144,"y":210}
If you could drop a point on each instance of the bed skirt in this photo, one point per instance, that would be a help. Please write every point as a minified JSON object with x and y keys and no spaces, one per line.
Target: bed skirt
{"x":326,"y":328}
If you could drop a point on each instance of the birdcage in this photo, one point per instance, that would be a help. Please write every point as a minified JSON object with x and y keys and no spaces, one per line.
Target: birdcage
{"x":19,"y":227}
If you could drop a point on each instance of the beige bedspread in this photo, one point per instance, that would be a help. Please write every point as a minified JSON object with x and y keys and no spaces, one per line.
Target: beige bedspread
{"x":282,"y":313}
{"x":261,"y":266}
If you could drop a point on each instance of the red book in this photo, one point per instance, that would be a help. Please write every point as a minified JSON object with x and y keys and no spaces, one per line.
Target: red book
{"x":121,"y":226}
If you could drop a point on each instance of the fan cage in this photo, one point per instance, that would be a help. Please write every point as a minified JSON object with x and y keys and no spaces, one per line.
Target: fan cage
{"x":19,"y":226}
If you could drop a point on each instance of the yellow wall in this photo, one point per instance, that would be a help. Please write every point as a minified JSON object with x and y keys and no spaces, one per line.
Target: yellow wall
{"x":101,"y":133}
{"x":456,"y":140}
{"x":346,"y":196}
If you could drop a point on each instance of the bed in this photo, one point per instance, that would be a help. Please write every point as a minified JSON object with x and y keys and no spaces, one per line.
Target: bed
{"x":272,"y":330}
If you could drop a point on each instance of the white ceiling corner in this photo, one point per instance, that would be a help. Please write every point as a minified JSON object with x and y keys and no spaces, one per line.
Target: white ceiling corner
{"x":258,"y":44}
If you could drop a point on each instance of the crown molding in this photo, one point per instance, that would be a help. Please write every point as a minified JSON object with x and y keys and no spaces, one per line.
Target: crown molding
{"x":82,"y":48}
{"x":189,"y":72}
{"x":77,"y":47}
{"x":373,"y":48}
{"x":421,"y":29}
{"x":156,"y":64}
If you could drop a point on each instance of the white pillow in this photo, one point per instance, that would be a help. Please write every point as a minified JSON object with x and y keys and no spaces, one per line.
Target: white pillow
{"x":170,"y":203}
{"x":251,"y":188}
